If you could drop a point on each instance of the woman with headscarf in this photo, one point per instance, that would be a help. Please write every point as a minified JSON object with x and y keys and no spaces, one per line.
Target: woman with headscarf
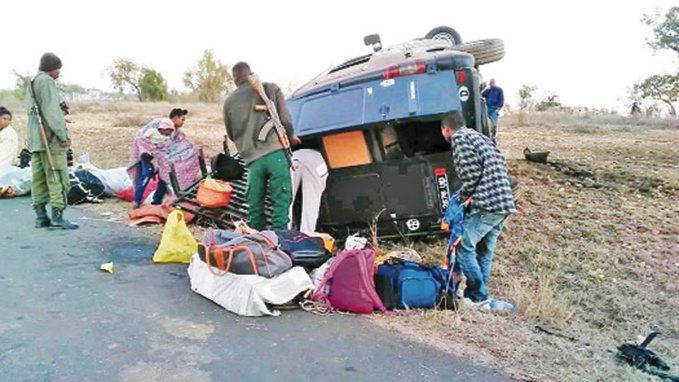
{"x":158,"y":145}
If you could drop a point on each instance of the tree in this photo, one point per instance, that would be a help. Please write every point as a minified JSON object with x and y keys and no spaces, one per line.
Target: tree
{"x":661,"y":87}
{"x":153,"y":86}
{"x":665,"y":33}
{"x":526,"y":97}
{"x":69,"y":87}
{"x":126,"y":75}
{"x":209,"y":79}
{"x":20,"y":84}
{"x":549,"y":101}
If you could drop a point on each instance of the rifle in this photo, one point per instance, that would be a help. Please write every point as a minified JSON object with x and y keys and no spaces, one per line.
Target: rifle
{"x":38,"y":114}
{"x":274,"y":121}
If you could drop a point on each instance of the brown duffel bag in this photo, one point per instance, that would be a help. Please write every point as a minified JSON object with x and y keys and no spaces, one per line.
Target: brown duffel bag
{"x":256,"y":254}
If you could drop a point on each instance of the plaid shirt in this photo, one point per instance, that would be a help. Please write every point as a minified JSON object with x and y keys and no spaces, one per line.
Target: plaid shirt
{"x":483,"y":172}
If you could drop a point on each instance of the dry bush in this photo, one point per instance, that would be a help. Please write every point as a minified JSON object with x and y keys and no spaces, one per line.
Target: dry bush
{"x":133,"y":120}
{"x":587,"y":122}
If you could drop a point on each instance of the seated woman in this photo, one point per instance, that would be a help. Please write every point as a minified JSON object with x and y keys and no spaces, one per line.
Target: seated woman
{"x":9,"y":142}
{"x":158,"y":145}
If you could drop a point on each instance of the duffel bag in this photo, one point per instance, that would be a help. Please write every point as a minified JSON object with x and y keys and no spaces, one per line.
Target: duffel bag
{"x":305,"y":251}
{"x":256,"y":254}
{"x":407,"y":285}
{"x":85,"y":187}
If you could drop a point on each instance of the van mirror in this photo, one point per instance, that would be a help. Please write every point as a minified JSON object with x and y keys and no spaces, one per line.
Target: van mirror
{"x":374,"y":41}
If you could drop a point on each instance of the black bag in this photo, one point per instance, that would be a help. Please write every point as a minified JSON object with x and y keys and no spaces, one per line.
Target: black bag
{"x":24,"y":158}
{"x":305,"y":251}
{"x":227,"y":168}
{"x":85,"y":187}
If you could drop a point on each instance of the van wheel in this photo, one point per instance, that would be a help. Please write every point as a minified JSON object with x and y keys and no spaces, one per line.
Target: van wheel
{"x":443,"y":33}
{"x":484,"y":51}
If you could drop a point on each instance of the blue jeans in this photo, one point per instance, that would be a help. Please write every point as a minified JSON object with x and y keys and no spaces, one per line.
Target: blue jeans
{"x":480,"y":230}
{"x":145,"y":174}
{"x":494,"y":116}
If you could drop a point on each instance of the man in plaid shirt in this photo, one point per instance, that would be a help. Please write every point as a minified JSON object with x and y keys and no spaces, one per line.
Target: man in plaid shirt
{"x":483,"y":172}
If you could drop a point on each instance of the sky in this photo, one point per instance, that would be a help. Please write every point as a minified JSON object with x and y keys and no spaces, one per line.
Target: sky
{"x":587,"y":52}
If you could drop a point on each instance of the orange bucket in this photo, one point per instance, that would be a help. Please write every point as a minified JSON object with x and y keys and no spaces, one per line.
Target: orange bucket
{"x":214,"y":193}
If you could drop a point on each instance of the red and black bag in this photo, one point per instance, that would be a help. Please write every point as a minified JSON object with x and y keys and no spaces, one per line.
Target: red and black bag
{"x":255,"y":254}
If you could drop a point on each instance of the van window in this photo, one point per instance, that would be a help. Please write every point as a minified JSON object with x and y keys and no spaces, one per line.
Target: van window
{"x":405,"y":140}
{"x":353,"y":62}
{"x":346,"y":149}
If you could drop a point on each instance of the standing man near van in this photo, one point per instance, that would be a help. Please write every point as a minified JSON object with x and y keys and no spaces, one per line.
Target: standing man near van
{"x":311,"y":173}
{"x":48,"y":141}
{"x":268,"y":167}
{"x":495,"y":99}
{"x":484,"y":176}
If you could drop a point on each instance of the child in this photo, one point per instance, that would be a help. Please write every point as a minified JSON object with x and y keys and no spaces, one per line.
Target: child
{"x":9,"y":142}
{"x":162,"y":133}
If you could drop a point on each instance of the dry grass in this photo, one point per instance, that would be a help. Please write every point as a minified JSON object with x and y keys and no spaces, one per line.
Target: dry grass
{"x":593,"y":253}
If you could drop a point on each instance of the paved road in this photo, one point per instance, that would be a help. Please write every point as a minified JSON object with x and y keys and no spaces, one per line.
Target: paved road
{"x":63,"y":320}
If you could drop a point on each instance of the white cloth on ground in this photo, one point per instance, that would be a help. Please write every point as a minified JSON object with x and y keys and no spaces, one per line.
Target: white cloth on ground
{"x":114,"y":179}
{"x":9,"y":146}
{"x":20,"y":179}
{"x":310,"y":172}
{"x":247,"y":295}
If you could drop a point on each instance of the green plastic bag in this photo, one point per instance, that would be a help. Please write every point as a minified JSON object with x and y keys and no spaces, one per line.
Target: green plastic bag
{"x":177,"y":243}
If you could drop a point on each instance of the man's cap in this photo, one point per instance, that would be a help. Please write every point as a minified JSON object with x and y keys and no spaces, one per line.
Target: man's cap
{"x":49,"y":62}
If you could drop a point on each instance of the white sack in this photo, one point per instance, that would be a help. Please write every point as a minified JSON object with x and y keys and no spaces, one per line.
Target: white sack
{"x":246,"y":295}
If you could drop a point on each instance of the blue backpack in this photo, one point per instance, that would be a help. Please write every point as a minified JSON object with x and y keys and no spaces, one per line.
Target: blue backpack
{"x":408,"y":285}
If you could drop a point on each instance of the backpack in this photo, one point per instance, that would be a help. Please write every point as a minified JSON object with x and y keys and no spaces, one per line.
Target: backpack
{"x":85,"y":187}
{"x":348,"y":284}
{"x":305,"y":251}
{"x":256,"y":254}
{"x":407,"y":285}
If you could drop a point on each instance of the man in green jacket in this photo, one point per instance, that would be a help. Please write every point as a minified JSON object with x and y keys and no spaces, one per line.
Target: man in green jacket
{"x":50,"y":180}
{"x":268,"y":168}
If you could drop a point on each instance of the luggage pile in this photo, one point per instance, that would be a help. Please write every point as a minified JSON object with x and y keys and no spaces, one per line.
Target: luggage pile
{"x":258,"y":273}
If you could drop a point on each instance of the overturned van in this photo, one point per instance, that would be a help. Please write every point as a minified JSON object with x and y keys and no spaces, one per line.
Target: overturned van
{"x":376,"y":120}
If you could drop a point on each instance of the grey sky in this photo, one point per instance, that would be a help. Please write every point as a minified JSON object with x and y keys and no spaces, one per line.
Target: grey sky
{"x":588,"y":52}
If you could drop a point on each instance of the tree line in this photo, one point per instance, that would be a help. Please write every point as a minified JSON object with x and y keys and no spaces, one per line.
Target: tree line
{"x":209,"y":79}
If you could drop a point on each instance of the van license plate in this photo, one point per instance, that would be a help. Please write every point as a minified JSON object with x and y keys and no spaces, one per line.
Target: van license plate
{"x":443,"y":187}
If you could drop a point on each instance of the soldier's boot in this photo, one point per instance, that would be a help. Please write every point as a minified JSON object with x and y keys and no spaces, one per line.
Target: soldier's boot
{"x":41,"y":220}
{"x":58,"y":221}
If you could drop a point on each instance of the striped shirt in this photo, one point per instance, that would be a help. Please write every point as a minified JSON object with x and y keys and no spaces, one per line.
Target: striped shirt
{"x":482,"y":171}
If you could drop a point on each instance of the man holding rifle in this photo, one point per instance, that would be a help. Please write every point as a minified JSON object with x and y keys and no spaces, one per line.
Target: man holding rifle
{"x":48,"y":141}
{"x":259,"y":123}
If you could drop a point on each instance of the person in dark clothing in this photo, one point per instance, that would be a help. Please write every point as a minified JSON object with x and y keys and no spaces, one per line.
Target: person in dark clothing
{"x":483,"y":173}
{"x":495,"y":99}
{"x":268,"y":170}
{"x":46,"y":115}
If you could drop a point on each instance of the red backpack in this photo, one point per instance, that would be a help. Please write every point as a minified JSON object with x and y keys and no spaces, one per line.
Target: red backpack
{"x":349,"y":284}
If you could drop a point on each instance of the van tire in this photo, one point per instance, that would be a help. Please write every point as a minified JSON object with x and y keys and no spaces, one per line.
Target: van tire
{"x":484,"y":51}
{"x":446,"y":34}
